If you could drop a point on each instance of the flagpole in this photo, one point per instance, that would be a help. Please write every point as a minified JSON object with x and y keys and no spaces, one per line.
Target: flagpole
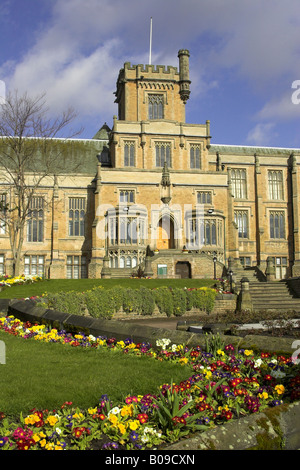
{"x":150,"y":51}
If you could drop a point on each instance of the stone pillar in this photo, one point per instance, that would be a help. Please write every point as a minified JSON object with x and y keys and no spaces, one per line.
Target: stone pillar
{"x":98,"y":244}
{"x":270,"y":271}
{"x":148,"y":272}
{"x":295,"y":209}
{"x":232,"y":233}
{"x":244,"y":302}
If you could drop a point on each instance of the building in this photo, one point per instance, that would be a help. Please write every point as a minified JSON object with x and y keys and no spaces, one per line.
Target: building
{"x":155,"y":197}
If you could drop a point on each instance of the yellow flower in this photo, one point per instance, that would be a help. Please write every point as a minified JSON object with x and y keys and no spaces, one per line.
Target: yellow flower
{"x":263,"y":395}
{"x":220,"y":352}
{"x":248,"y":352}
{"x":92,"y":411}
{"x":113,"y":419}
{"x":43,"y":443}
{"x":279,"y":389}
{"x":52,"y":420}
{"x":183,"y":360}
{"x":133,"y":425}
{"x":122,"y":428}
{"x":127,"y":410}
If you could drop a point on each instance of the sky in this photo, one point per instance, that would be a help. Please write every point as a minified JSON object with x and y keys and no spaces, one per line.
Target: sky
{"x":244,"y":59}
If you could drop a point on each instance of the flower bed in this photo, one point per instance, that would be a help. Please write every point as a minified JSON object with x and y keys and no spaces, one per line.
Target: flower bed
{"x":224,"y":385}
{"x":8,"y":281}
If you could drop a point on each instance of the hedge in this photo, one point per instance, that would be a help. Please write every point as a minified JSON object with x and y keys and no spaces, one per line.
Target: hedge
{"x":103,"y":303}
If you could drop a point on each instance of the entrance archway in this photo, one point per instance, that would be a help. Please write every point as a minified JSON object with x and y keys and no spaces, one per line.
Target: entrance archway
{"x":165,"y":233}
{"x":183,"y":269}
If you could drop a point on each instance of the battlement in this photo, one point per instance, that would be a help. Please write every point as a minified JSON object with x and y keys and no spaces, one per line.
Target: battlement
{"x":151,"y":69}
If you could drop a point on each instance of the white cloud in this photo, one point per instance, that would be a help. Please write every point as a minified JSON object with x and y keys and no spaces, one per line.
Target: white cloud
{"x":261,"y":134}
{"x":79,"y":51}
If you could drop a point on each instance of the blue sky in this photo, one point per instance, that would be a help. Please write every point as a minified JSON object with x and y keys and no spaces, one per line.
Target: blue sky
{"x":244,"y":58}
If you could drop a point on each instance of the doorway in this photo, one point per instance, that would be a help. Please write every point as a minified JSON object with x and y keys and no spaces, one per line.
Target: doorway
{"x":165,"y":234}
{"x":183,"y":269}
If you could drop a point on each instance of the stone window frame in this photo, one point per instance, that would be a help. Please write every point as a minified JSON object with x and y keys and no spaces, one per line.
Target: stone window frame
{"x":157,"y":99}
{"x":35,"y":224}
{"x":242,"y":234}
{"x":281,"y":229}
{"x":32,"y":264}
{"x":79,"y":221}
{"x":74,"y":269}
{"x":202,"y":192}
{"x":3,"y":201}
{"x":193,"y":147}
{"x":239,"y":183}
{"x":158,"y":157}
{"x":275,"y":185}
{"x":2,"y":264}
{"x":129,"y":149}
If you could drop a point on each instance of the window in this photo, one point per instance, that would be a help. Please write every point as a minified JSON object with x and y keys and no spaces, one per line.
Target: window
{"x":126,"y":230}
{"x":195,"y":156}
{"x":245,"y":261}
{"x":204,"y":197}
{"x":126,"y":196}
{"x":35,"y":221}
{"x":277,"y":224}
{"x":76,"y":267}
{"x":238,"y":179}
{"x":163,"y":154}
{"x":155,"y":106}
{"x":202,"y":232}
{"x":3,"y":209}
{"x":125,"y":261}
{"x":280,"y":263}
{"x":275,"y":182}
{"x":129,"y":153}
{"x":241,"y":219}
{"x":2,"y":265}
{"x":76,"y":216}
{"x":162,"y":270}
{"x":34,"y":265}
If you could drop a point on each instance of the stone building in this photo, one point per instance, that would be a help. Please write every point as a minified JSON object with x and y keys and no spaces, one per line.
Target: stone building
{"x":155,"y":197}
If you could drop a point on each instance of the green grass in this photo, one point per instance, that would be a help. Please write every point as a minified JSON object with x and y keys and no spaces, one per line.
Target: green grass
{"x":45,"y":375}
{"x":82,"y":285}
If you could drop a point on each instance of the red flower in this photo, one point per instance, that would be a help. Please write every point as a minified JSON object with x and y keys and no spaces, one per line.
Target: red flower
{"x":143,"y":418}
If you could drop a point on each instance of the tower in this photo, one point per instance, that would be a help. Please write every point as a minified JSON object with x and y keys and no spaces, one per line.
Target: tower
{"x":184,"y":74}
{"x":149,"y":92}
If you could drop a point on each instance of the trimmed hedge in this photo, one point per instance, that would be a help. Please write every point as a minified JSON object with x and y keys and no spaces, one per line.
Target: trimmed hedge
{"x":103,"y":303}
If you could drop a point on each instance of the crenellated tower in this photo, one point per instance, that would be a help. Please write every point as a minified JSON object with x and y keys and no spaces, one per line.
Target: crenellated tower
{"x":147,"y":92}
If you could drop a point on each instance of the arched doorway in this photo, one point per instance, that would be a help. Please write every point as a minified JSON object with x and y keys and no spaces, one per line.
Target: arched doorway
{"x":183,"y":269}
{"x":165,"y":233}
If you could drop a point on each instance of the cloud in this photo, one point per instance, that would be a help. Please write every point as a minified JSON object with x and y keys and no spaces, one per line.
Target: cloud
{"x":261,"y":134}
{"x":79,"y":48}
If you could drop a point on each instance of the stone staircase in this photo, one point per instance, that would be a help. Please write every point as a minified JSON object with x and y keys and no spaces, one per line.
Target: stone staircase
{"x":273,"y":296}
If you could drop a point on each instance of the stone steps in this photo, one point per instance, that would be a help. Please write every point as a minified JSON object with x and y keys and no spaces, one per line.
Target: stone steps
{"x":273,"y":296}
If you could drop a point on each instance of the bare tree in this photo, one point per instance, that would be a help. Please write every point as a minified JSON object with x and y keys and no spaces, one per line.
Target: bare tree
{"x":31,"y":151}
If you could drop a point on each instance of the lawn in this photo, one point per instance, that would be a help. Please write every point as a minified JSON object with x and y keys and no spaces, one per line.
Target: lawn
{"x":82,"y":285}
{"x":45,"y":375}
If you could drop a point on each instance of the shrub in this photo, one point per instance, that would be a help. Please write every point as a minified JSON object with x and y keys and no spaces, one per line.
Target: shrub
{"x":69,"y":302}
{"x":147,"y":301}
{"x":203,"y":299}
{"x":99,"y":303}
{"x":132,"y":300}
{"x":179,"y":301}
{"x":164,"y":300}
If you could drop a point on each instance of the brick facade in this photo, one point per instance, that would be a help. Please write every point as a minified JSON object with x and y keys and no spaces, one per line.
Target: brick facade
{"x":153,"y":182}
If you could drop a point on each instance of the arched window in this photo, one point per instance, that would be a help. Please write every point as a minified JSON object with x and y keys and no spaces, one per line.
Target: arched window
{"x":155,"y":106}
{"x":76,"y":216}
{"x":35,"y":221}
